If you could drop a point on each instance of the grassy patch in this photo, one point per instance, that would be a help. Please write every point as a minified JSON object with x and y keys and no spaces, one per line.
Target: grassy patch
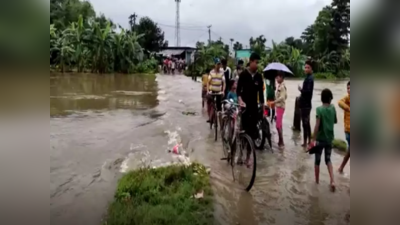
{"x":163,"y":196}
{"x":340,"y":145}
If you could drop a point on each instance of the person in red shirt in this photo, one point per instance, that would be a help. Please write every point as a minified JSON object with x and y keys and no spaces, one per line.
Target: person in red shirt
{"x":165,"y":66}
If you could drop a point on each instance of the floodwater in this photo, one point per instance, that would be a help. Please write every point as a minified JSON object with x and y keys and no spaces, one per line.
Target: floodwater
{"x":102,"y":125}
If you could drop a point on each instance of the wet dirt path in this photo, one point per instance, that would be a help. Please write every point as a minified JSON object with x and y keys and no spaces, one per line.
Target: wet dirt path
{"x":103,"y":125}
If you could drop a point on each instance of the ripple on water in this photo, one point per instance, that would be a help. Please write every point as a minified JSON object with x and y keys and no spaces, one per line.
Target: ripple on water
{"x":132,"y":93}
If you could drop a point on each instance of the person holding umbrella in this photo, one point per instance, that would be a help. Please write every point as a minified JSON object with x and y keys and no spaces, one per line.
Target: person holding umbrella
{"x":280,"y":103}
{"x":277,"y":71}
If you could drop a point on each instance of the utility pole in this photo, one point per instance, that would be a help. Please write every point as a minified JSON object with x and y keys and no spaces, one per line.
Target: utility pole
{"x":178,"y":24}
{"x":132,"y":21}
{"x":209,"y":34}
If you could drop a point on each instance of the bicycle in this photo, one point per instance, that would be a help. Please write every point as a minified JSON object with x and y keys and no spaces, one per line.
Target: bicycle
{"x":238,"y":139}
{"x":264,"y":130}
{"x":214,"y":113}
{"x":227,"y":126}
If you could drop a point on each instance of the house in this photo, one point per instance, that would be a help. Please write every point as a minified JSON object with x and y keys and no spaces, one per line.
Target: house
{"x":243,"y":54}
{"x":185,"y":53}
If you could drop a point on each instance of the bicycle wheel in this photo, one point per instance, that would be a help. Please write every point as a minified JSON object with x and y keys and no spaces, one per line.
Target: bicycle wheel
{"x":267,"y":131}
{"x":244,"y":173}
{"x":211,"y":118}
{"x":226,"y":136}
{"x":215,"y":125}
{"x":259,"y":143}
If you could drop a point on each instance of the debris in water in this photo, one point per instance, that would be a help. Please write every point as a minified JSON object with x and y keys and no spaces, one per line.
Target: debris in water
{"x":175,"y":149}
{"x":189,"y":113}
{"x":199,"y":195}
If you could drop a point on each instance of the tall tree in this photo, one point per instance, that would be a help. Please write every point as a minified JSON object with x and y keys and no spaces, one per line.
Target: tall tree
{"x":341,"y":23}
{"x":295,"y":43}
{"x":257,"y":45}
{"x":153,"y":39}
{"x":308,"y":37}
{"x":237,"y":46}
{"x":63,"y":12}
{"x":200,"y":45}
{"x":324,"y":39}
{"x":132,"y":21}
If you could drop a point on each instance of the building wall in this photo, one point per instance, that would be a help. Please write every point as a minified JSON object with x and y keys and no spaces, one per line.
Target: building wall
{"x":188,"y":56}
{"x":243,"y":54}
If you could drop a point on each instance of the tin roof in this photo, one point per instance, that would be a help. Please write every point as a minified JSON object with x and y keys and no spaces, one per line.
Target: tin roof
{"x":167,"y":52}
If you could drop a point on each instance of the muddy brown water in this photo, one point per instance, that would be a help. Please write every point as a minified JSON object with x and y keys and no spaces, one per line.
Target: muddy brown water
{"x":102,"y":125}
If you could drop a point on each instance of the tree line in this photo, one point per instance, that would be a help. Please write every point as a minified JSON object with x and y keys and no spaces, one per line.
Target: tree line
{"x":326,"y":42}
{"x":82,"y":41}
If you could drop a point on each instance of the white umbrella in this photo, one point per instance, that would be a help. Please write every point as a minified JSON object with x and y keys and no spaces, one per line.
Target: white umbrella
{"x":277,"y":67}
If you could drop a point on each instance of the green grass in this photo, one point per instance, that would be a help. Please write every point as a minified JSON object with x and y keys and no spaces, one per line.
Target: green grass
{"x":340,"y":145}
{"x":163,"y":196}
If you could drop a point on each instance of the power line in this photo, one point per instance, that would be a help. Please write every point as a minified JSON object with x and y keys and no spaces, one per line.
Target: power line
{"x":219,"y":36}
{"x":182,"y":28}
{"x":198,"y":38}
{"x":188,"y":26}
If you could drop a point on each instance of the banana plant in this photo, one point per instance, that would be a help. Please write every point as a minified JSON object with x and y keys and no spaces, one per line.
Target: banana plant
{"x":76,"y":33}
{"x":101,"y":49}
{"x":64,"y":51}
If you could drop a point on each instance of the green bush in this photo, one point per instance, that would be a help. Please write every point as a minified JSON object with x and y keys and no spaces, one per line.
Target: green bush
{"x":163,"y":196}
{"x":340,"y":145}
{"x":147,"y":66}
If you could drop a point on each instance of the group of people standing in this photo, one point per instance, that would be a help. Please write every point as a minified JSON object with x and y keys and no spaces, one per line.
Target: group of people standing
{"x":248,"y":87}
{"x":171,"y":65}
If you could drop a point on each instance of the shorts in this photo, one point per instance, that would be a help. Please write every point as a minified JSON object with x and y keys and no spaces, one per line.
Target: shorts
{"x":327,"y":149}
{"x":271,"y":104}
{"x":348,"y":139}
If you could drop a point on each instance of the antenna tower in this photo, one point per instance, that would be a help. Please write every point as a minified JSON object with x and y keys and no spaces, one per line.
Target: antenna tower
{"x":178,"y":24}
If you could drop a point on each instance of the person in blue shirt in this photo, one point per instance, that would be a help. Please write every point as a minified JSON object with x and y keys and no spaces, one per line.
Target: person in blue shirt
{"x":232,"y":93}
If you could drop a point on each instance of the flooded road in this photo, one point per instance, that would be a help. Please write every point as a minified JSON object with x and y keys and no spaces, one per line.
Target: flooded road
{"x":103,"y":125}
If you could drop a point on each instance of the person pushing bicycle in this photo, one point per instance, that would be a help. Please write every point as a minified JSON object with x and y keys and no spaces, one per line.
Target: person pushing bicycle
{"x":250,"y":93}
{"x":216,"y":86}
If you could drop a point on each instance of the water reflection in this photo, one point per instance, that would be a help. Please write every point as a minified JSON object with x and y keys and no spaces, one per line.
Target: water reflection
{"x":72,"y":93}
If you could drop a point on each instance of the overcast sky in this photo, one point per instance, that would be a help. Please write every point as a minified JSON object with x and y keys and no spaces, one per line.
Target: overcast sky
{"x":237,"y":19}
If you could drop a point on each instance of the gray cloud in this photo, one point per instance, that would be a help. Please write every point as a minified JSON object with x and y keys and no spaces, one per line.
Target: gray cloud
{"x":237,"y":19}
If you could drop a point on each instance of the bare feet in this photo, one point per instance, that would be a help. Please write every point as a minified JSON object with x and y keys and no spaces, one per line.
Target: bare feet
{"x":333,"y":187}
{"x":340,"y":170}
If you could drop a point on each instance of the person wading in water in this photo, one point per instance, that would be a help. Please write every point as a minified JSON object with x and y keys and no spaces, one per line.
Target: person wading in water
{"x":305,"y":102}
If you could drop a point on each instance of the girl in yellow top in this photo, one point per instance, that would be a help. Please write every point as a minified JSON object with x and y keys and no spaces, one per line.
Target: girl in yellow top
{"x":280,"y":103}
{"x":344,"y":103}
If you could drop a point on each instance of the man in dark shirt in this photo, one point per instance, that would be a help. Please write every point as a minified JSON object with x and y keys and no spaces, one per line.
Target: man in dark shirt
{"x":228,"y":76}
{"x":305,"y":102}
{"x":249,"y":91}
